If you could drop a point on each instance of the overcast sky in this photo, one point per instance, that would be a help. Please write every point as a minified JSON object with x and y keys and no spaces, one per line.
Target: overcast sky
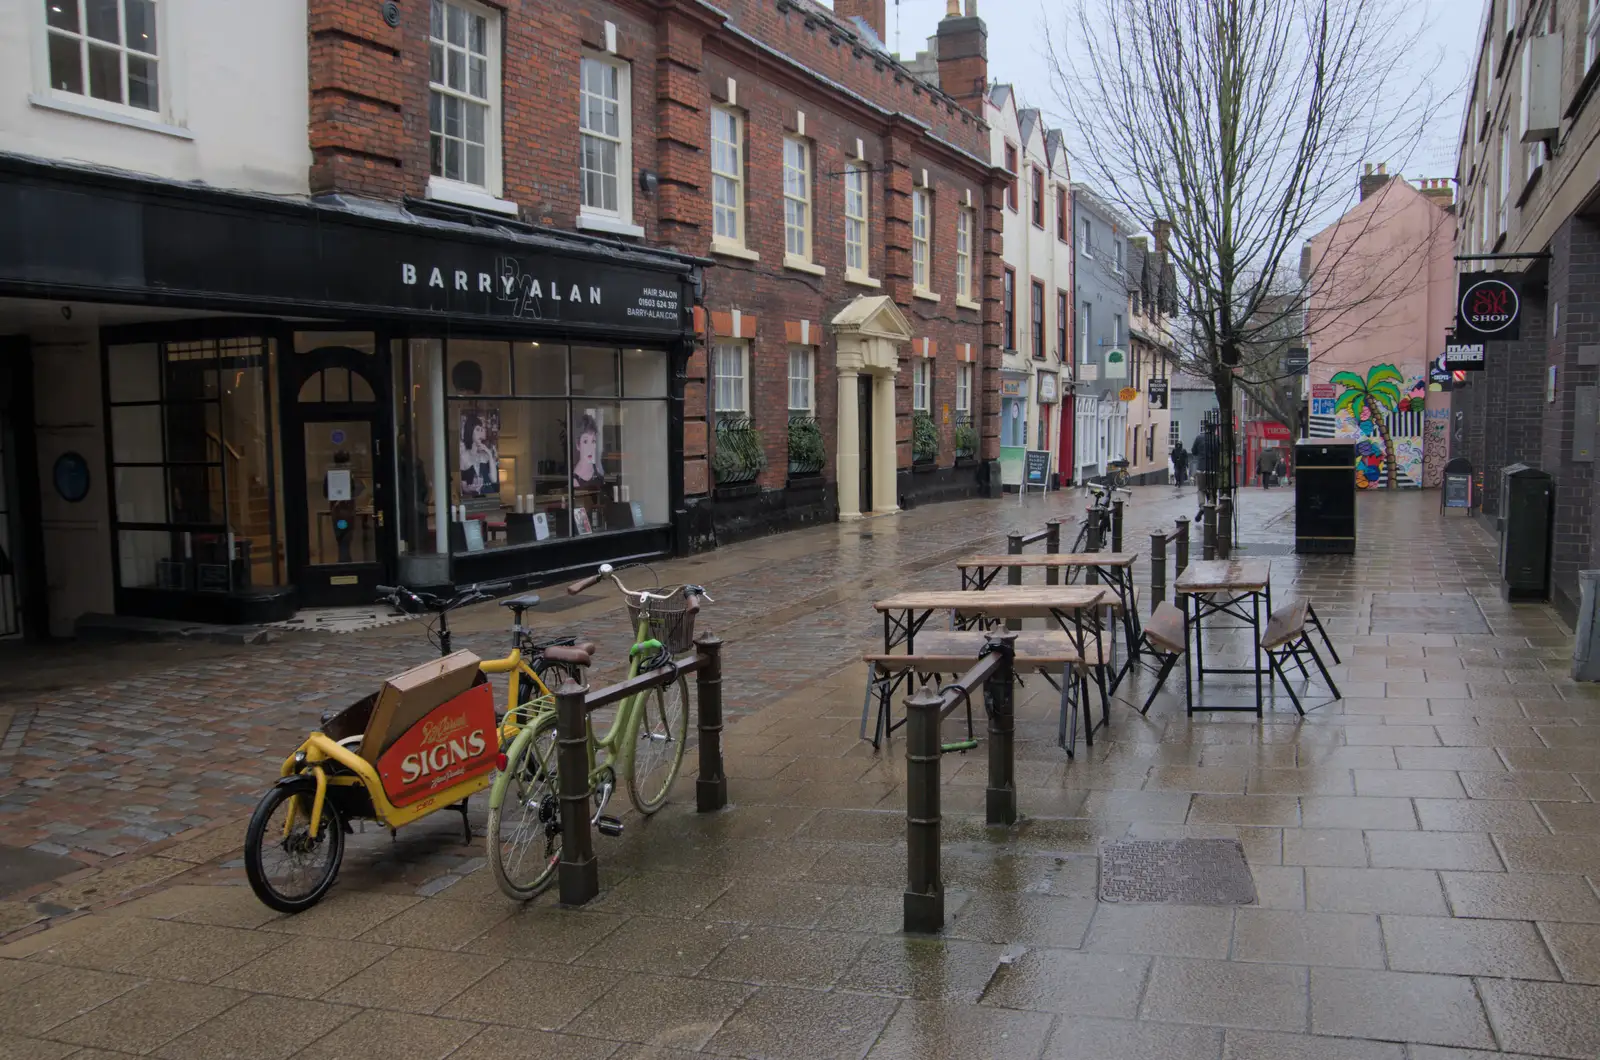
{"x":1016,"y":44}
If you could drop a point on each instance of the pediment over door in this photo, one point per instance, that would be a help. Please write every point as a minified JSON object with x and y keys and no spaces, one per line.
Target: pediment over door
{"x":869,"y":332}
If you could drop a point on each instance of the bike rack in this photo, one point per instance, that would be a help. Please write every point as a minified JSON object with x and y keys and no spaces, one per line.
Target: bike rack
{"x":579,"y":873}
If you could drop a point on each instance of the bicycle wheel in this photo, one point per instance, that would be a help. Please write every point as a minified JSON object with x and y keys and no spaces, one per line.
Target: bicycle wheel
{"x":660,"y":735}
{"x":288,"y":869}
{"x":525,"y":828}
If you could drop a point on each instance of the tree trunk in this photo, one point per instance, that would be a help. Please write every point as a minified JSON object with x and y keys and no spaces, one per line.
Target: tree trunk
{"x":1388,"y":442}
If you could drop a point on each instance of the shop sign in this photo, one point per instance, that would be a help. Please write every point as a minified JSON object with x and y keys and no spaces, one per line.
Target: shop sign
{"x":1128,"y":393}
{"x":1487,"y":307}
{"x":1088,"y":373}
{"x":1116,"y":364}
{"x":1047,"y":388}
{"x":1158,"y":393}
{"x":1464,"y":357}
{"x":528,"y":290}
{"x":456,"y":741}
{"x":1297,"y":361}
{"x":1011,"y":388}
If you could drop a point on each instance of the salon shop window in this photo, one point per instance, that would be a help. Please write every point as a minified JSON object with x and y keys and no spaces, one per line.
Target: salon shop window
{"x":505,"y":444}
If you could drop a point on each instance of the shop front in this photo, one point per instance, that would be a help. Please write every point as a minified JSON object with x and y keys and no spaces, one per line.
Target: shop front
{"x":300,"y":402}
{"x":1013,"y":426}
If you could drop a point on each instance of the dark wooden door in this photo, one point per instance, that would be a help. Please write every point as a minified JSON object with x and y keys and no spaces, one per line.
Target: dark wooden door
{"x":864,"y":412}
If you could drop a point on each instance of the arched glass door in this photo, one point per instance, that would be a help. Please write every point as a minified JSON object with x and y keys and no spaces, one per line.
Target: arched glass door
{"x":339,"y":463}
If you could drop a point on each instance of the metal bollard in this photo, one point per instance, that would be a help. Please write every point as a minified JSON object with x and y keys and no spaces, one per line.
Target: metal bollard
{"x":1013,"y":574}
{"x":1225,"y":527}
{"x":1000,"y":803}
{"x":579,"y":872}
{"x":1181,"y":561}
{"x":1158,"y":569}
{"x":924,"y":896}
{"x":1052,"y":545}
{"x":1208,"y":535}
{"x":1116,"y":526}
{"x":711,"y":788}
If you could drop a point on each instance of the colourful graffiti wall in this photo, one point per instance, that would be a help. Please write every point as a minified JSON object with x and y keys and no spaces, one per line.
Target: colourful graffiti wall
{"x":1344,"y":408}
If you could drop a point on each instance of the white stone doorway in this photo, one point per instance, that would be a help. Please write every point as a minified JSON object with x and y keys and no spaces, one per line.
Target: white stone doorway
{"x":869,"y":333}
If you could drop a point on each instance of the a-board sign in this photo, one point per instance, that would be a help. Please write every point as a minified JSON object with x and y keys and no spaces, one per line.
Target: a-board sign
{"x":1036,"y":467}
{"x":1458,"y":491}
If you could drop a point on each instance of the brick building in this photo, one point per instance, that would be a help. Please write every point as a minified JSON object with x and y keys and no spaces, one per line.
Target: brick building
{"x":1529,"y":151}
{"x":499,"y":291}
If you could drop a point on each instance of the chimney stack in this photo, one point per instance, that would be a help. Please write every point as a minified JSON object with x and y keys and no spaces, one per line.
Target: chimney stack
{"x":964,"y":57}
{"x":869,"y":11}
{"x":1439,"y":192}
{"x":1371,"y":181}
{"x":1162,"y":230}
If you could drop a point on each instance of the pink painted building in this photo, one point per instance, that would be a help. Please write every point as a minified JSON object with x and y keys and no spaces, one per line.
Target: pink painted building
{"x":1382,"y":284}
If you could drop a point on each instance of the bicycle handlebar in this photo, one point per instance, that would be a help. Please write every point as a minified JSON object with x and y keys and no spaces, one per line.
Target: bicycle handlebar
{"x":689,"y":591}
{"x":439,"y":604}
{"x":579,"y":586}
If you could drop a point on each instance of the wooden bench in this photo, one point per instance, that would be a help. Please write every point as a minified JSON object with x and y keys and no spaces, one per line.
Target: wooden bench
{"x":1052,"y":655}
{"x":1164,"y":637}
{"x":1287,"y":636}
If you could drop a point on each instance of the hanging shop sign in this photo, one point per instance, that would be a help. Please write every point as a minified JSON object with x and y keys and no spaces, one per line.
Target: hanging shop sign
{"x":1047,"y":388}
{"x":1116,"y":364}
{"x":1128,"y":393}
{"x":1488,"y":307}
{"x":1011,"y":388}
{"x":1297,"y":361}
{"x":1158,"y":393}
{"x":1464,"y":357}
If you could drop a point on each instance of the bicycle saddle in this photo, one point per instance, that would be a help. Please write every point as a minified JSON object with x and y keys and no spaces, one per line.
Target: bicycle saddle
{"x":521,"y":603}
{"x":572,"y":655}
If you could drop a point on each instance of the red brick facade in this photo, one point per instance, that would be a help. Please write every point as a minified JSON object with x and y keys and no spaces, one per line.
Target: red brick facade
{"x":369,"y":136}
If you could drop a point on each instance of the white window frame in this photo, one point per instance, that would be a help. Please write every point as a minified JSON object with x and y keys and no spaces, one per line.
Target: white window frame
{"x":1088,"y":238}
{"x":1174,"y":434}
{"x":1505,"y":178}
{"x":797,"y":214}
{"x":167,"y":117}
{"x":1085,"y":318}
{"x":728,"y":178}
{"x":921,"y":241}
{"x":964,"y":217}
{"x":731,"y":390}
{"x":1116,"y":330}
{"x":802,"y":380}
{"x":1591,"y":37}
{"x":461,"y":191}
{"x":1116,"y":253}
{"x":857,"y":220}
{"x":921,"y":384}
{"x":594,"y":217}
{"x":964,"y":387}
{"x":1511,"y":17}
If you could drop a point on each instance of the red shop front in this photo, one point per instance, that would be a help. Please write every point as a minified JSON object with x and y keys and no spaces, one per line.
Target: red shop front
{"x":1266,"y":434}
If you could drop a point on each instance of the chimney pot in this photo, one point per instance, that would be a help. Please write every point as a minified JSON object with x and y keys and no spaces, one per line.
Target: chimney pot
{"x":952,"y":9}
{"x":1383,"y":167}
{"x":1369,"y":169}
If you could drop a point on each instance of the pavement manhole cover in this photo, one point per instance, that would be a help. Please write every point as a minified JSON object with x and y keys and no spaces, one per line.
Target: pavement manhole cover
{"x":1176,"y":872}
{"x":1426,"y":613}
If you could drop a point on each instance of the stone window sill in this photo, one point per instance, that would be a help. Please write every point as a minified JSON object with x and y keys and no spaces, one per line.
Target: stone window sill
{"x":106,"y":114}
{"x":799,"y":264}
{"x":729,"y":249}
{"x":926,"y":295}
{"x":476,"y":198}
{"x":590,"y":222}
{"x":967,"y":303}
{"x":861,"y":279}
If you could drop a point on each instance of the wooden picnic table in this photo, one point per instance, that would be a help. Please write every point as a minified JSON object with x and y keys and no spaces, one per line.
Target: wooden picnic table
{"x":1223,"y":587}
{"x":904,"y":615}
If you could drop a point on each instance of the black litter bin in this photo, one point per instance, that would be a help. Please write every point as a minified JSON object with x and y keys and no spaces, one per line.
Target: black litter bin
{"x":1324,"y":496}
{"x":1527,"y":501}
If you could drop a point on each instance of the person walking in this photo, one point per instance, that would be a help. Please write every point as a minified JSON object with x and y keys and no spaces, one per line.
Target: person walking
{"x":1267,"y":466}
{"x":1180,"y":463}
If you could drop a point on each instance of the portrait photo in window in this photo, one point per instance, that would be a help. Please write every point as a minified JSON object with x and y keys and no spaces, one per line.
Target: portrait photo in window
{"x":480,"y":452}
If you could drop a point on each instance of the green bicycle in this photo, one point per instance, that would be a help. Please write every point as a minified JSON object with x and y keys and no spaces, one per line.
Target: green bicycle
{"x":644,"y":745}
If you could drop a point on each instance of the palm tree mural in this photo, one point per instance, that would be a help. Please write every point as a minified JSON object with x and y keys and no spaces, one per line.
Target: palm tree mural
{"x":1377,"y":394}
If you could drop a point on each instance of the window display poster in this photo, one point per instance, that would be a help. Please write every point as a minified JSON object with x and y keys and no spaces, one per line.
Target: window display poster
{"x":541,"y":526}
{"x":338,"y":486}
{"x":587,"y":472}
{"x":580,"y":518}
{"x":638,"y":513}
{"x":480,"y":452}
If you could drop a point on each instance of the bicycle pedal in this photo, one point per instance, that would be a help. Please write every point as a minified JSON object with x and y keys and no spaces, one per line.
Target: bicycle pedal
{"x":608,"y":826}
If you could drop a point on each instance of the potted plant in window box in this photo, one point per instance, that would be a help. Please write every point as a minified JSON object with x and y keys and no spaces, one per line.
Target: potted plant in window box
{"x":740,"y":457}
{"x":806,"y":452}
{"x":924,"y":441}
{"x":966,"y":441}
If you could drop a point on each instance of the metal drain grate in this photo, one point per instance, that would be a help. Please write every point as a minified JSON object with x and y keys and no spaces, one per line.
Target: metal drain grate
{"x":1176,"y":872}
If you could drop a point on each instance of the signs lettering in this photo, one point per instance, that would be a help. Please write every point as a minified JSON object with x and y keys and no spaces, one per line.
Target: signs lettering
{"x":455,"y":741}
{"x":1158,"y":393}
{"x":1488,"y":307}
{"x":1297,"y":361}
{"x":1464,"y":357}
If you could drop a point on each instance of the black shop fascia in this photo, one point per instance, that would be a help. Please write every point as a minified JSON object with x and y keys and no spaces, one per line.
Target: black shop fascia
{"x":305,"y":400}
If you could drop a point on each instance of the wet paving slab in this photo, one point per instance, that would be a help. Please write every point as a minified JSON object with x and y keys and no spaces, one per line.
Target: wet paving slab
{"x":1423,"y":853}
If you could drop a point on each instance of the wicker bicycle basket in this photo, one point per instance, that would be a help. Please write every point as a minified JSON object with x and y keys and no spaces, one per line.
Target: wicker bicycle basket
{"x":672,"y":626}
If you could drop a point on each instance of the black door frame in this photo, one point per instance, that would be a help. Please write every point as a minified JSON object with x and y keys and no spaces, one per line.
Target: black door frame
{"x":317,"y":584}
{"x":20,"y":450}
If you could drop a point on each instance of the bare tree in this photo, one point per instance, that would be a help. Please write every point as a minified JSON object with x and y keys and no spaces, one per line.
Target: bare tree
{"x":1244,"y":124}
